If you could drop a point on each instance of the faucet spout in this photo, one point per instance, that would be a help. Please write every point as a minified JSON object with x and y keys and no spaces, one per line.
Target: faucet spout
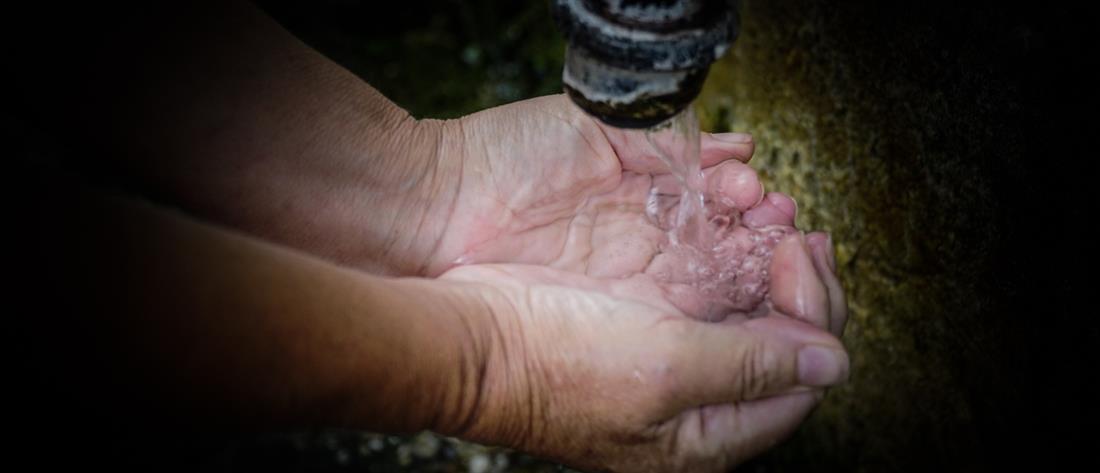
{"x":636,"y":63}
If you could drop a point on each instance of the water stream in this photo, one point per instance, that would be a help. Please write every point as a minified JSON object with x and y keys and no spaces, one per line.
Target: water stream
{"x":676,"y":143}
{"x":717,"y":266}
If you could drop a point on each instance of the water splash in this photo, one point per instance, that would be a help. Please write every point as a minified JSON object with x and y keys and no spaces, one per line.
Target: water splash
{"x":676,"y":143}
{"x":724,"y":264}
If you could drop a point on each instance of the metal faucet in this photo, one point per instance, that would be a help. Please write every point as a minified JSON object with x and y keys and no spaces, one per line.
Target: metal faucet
{"x":637,"y":63}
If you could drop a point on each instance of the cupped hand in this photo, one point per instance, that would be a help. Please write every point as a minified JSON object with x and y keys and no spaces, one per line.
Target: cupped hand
{"x":607,"y":375}
{"x":543,"y":183}
{"x":602,"y":362}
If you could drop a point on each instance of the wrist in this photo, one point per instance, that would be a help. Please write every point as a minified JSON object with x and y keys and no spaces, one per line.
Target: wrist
{"x":485,"y":394}
{"x":497,"y":401}
{"x":427,"y":372}
{"x":409,"y":183}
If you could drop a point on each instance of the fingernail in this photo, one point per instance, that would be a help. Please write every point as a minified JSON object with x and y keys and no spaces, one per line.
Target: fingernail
{"x":822,"y":253}
{"x":830,"y":252}
{"x":784,"y":204}
{"x":819,"y":366}
{"x":733,"y":137}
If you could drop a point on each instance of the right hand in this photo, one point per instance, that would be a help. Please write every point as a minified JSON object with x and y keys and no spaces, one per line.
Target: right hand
{"x":607,"y":375}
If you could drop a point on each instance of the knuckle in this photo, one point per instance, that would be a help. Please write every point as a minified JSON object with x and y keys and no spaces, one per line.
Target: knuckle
{"x":759,"y":365}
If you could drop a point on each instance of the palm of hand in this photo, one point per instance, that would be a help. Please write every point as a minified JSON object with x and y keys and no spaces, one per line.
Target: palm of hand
{"x":520,"y":195}
{"x":642,"y":389}
{"x":562,"y":202}
{"x":573,"y":196}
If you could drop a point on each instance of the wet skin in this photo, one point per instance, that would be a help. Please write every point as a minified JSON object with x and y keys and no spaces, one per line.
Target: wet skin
{"x":544,"y":184}
{"x":543,"y":314}
{"x":592,"y":370}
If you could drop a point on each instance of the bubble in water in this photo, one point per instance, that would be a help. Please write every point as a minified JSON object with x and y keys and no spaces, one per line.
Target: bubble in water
{"x":676,"y":144}
{"x":726,"y":264}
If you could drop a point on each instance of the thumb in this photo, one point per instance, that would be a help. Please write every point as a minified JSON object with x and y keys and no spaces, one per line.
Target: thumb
{"x":727,"y":363}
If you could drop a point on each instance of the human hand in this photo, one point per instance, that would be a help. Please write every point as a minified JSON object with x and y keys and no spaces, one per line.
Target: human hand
{"x":543,"y":183}
{"x":607,"y":375}
{"x":590,"y":392}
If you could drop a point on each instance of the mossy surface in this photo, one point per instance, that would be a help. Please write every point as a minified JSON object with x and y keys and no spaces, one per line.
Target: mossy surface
{"x":851,"y":120}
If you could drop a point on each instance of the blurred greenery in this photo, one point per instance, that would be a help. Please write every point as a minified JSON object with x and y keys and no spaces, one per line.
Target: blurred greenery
{"x":440,"y":58}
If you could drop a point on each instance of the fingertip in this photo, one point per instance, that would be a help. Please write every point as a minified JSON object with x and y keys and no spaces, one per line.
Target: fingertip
{"x":792,"y":334}
{"x":735,"y":184}
{"x":785,"y":204}
{"x":821,"y":245}
{"x":717,"y":147}
{"x":732,"y":137}
{"x":785,"y":255}
{"x":820,"y":366}
{"x":774,"y":209}
{"x":819,"y":356}
{"x":796,"y":288}
{"x":815,"y":239}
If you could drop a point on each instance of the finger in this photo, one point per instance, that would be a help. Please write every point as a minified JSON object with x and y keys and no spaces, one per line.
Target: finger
{"x":741,"y":431}
{"x":637,"y":154}
{"x":634,"y":150}
{"x":796,"y":289}
{"x":825,"y":263}
{"x":732,"y":184}
{"x":775,"y":209}
{"x":717,"y":147}
{"x":724,"y":363}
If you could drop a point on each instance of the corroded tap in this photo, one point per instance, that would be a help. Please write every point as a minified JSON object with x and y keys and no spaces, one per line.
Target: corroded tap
{"x":636,"y":63}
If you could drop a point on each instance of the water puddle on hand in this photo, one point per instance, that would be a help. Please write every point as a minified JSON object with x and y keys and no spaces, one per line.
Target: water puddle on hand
{"x":714,"y":266}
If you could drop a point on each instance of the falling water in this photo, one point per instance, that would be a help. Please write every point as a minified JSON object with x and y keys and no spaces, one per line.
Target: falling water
{"x":676,"y":143}
{"x":679,"y":206}
{"x":727,"y":273}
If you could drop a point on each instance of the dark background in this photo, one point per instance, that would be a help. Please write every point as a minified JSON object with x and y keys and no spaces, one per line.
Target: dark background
{"x":944,"y":144}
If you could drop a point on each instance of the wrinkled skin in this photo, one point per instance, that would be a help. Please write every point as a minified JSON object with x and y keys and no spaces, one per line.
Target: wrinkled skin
{"x":597,"y":363}
{"x":606,"y":375}
{"x":542,"y":183}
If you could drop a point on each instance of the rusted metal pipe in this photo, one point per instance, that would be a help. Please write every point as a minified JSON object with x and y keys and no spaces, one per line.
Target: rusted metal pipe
{"x":636,"y":63}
